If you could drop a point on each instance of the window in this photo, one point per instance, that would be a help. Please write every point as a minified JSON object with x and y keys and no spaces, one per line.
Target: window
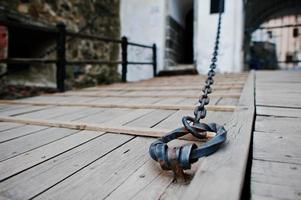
{"x":295,"y":32}
{"x":214,"y":8}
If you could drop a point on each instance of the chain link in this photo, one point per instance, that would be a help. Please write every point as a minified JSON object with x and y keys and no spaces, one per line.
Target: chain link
{"x":200,"y":111}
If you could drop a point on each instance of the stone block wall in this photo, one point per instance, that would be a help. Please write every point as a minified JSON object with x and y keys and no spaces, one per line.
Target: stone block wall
{"x":97,"y":17}
{"x":174,"y":49}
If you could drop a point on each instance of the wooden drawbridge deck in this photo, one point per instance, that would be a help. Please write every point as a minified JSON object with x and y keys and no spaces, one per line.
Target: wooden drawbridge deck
{"x":93,"y":143}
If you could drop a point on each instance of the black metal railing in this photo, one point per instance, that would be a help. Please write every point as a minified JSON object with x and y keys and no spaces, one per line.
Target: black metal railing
{"x":61,"y":62}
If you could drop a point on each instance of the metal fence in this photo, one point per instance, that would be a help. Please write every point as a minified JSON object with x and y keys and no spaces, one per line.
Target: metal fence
{"x":61,"y":62}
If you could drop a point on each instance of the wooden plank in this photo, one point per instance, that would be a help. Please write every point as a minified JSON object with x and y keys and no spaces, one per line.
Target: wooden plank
{"x":278,"y":99}
{"x":105,"y":100}
{"x":136,"y":131}
{"x":221,"y":175}
{"x":23,"y":110}
{"x":276,"y":173}
{"x":141,"y":180}
{"x":40,"y":178}
{"x":226,"y":108}
{"x":278,"y":111}
{"x":6,"y":107}
{"x":86,"y":94}
{"x":82,"y":113}
{"x":278,"y":89}
{"x":281,"y":125}
{"x":102,"y":177}
{"x":25,"y":161}
{"x":192,"y":87}
{"x":154,"y":85}
{"x":213,"y":102}
{"x":103,"y":116}
{"x":278,"y":76}
{"x":151,"y":119}
{"x":24,"y":144}
{"x":165,"y":101}
{"x":127,"y":118}
{"x":175,"y":120}
{"x":276,"y":150}
{"x":19,"y":131}
{"x":279,"y":180}
{"x":148,"y":181}
{"x":288,"y":147}
{"x":179,"y":83}
{"x":227,"y":101}
{"x":192,"y":78}
{"x":263,"y":190}
{"x":58,"y":99}
{"x":50,"y":113}
{"x":4,"y":126}
{"x":123,"y":100}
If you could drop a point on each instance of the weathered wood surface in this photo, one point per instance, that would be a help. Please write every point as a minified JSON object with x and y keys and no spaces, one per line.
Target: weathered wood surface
{"x":92,"y":147}
{"x":221,"y":176}
{"x":276,"y":161}
{"x":278,"y":111}
{"x":13,"y":166}
{"x":126,"y":105}
{"x":155,"y":94}
{"x":24,"y":144}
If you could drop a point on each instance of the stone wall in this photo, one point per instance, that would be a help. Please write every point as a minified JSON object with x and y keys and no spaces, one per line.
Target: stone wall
{"x":174,"y":48}
{"x":98,"y":17}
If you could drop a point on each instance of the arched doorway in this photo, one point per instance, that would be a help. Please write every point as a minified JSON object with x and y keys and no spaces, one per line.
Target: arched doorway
{"x":272,"y":38}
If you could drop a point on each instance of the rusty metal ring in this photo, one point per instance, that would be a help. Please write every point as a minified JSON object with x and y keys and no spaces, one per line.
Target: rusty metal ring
{"x":185,"y":155}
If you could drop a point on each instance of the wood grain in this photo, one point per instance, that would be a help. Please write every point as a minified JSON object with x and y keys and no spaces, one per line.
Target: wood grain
{"x":225,"y":108}
{"x":221,"y":175}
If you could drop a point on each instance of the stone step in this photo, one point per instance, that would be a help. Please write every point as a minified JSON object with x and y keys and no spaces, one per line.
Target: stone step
{"x":178,"y":70}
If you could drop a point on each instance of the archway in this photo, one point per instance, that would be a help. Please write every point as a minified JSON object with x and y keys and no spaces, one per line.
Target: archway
{"x":271,"y":27}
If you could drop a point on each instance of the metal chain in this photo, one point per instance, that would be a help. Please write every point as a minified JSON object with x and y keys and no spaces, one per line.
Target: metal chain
{"x":200,"y":111}
{"x":180,"y":158}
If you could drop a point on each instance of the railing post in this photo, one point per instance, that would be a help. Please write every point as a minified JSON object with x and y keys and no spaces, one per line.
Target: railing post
{"x":155,"y":59}
{"x":124,"y":52}
{"x":61,"y":57}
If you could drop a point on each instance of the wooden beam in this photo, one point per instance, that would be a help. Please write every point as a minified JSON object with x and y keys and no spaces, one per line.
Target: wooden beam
{"x":222,"y":108}
{"x":221,"y":175}
{"x":175,"y":83}
{"x":131,"y":88}
{"x":136,"y":131}
{"x":84,"y":94}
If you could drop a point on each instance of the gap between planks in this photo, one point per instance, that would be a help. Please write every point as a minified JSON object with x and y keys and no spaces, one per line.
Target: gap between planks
{"x":222,"y":108}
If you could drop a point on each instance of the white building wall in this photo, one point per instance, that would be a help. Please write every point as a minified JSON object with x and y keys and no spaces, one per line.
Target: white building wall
{"x":143,"y":21}
{"x":230,"y":58}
